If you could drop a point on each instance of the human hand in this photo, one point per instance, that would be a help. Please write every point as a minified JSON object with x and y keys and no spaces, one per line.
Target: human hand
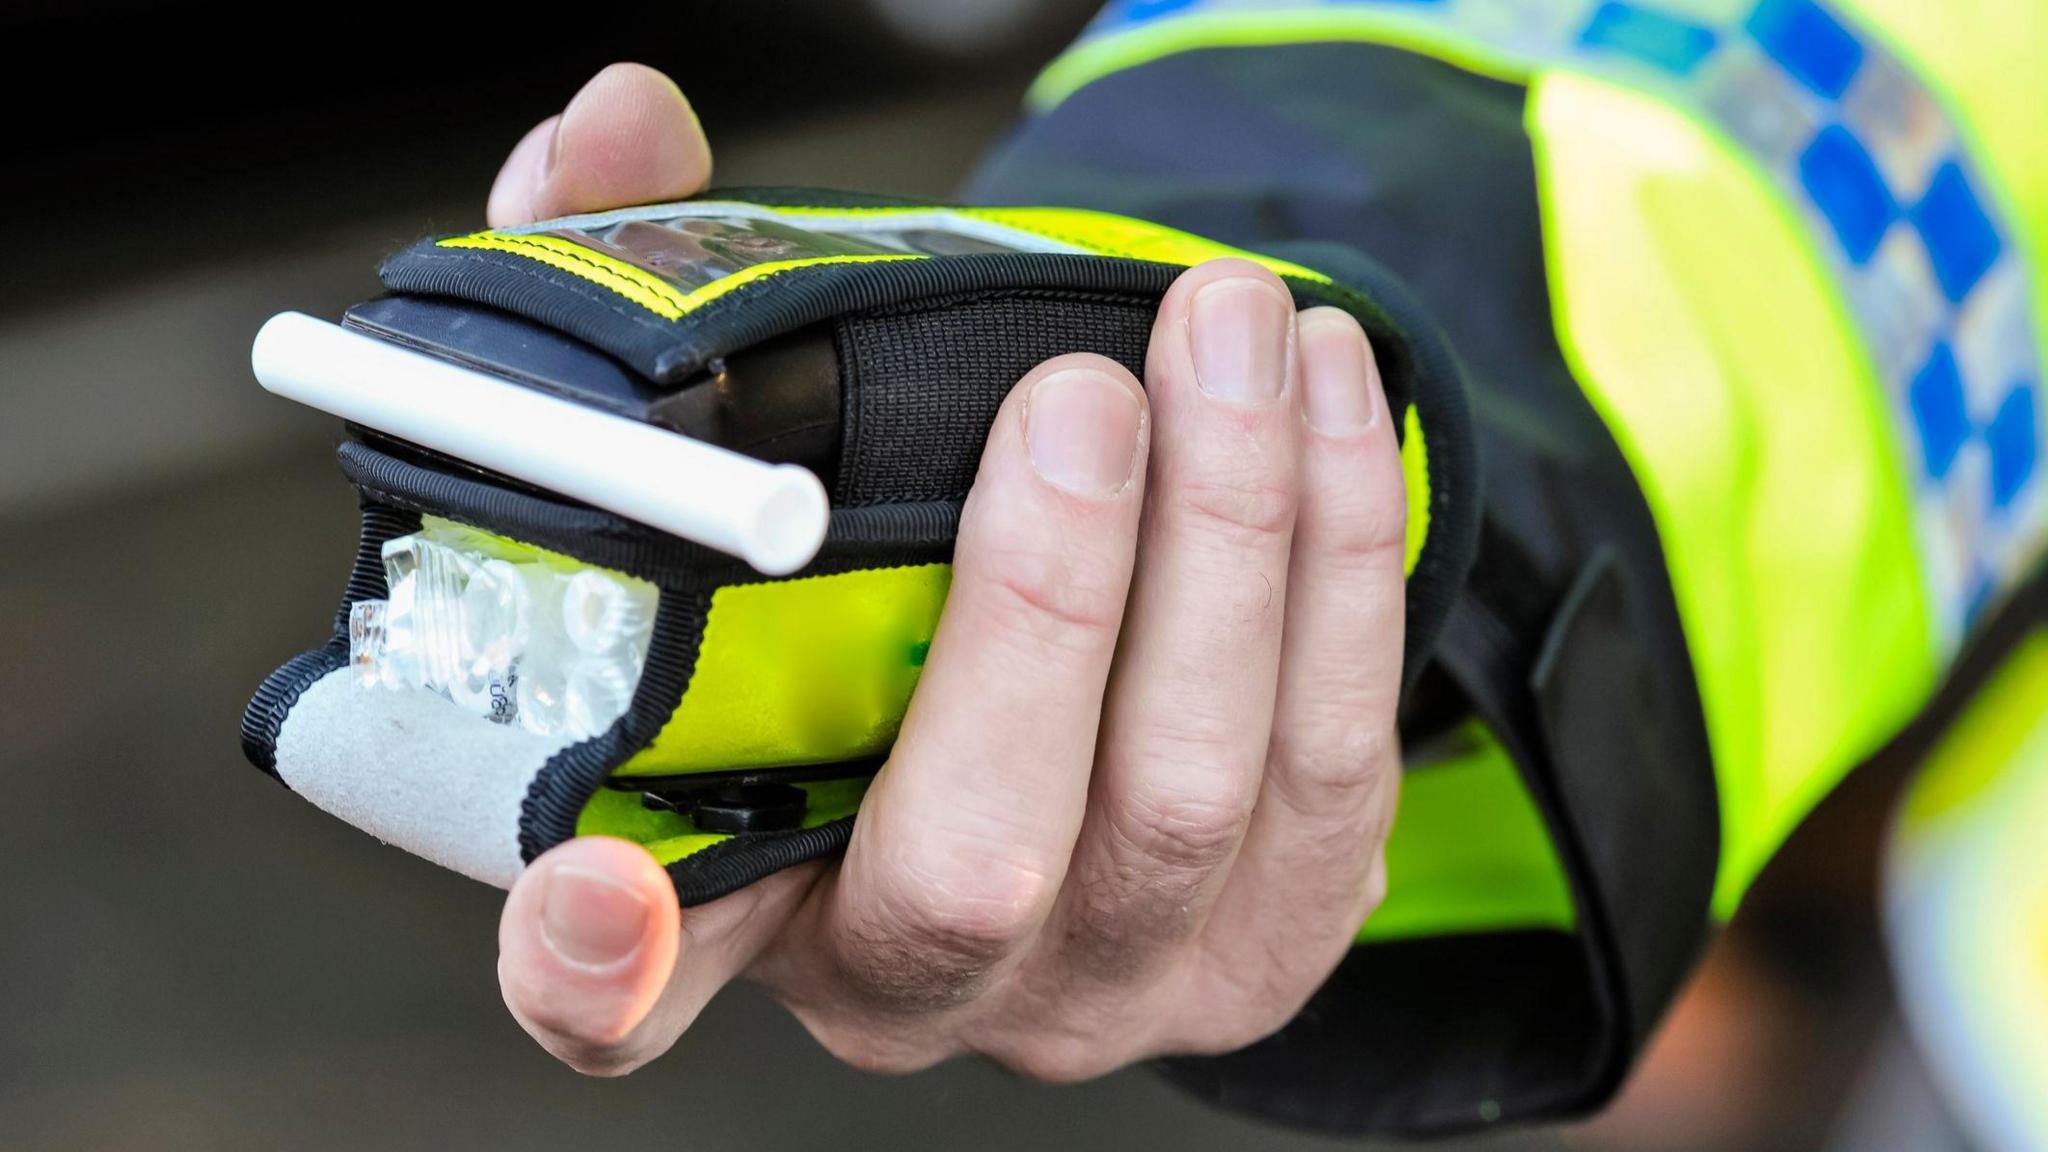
{"x":1139,"y":802}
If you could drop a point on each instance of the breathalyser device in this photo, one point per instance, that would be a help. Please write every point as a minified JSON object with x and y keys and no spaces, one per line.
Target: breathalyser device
{"x":658,"y":506}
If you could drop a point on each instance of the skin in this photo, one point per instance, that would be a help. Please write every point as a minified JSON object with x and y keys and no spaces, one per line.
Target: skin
{"x":1140,"y":801}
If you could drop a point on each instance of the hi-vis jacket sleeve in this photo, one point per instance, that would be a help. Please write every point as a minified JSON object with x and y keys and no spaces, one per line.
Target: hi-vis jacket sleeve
{"x":1748,"y":306}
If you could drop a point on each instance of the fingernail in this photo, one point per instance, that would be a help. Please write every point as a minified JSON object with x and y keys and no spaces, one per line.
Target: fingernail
{"x":590,"y":919}
{"x":1339,"y":380}
{"x":1081,"y":430}
{"x":581,"y":99}
{"x":554,"y":152}
{"x":1237,"y":333}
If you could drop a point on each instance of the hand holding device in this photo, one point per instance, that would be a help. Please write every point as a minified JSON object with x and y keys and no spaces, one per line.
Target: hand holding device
{"x":1142,"y":849}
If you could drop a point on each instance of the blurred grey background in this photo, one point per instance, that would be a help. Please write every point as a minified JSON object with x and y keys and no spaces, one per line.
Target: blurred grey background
{"x":192,"y":958}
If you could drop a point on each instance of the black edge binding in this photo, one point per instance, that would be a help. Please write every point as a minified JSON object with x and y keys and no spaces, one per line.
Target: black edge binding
{"x":264,"y":718}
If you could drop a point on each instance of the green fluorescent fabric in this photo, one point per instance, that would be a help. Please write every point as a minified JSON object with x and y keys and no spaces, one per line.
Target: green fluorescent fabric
{"x":1469,"y":851}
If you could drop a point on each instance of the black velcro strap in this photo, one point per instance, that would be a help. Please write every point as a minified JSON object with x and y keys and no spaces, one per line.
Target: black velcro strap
{"x":922,"y":384}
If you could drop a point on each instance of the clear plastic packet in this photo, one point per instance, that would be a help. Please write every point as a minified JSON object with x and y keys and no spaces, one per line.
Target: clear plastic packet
{"x":510,"y":634}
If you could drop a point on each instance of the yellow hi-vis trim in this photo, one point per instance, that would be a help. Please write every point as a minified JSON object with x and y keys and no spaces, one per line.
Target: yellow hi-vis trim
{"x":1733,"y":378}
{"x":637,"y":284}
{"x":1099,"y":233}
{"x":802,"y":671}
{"x":1107,"y":234}
{"x":1415,"y":470}
{"x":1418,"y":31}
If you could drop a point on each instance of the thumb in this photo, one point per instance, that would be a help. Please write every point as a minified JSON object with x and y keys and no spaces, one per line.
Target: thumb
{"x":629,"y":137}
{"x":598,"y":965}
{"x":586,"y":946}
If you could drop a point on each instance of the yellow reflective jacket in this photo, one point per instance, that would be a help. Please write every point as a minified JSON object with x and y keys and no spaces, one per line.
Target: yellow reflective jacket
{"x":1749,"y":294}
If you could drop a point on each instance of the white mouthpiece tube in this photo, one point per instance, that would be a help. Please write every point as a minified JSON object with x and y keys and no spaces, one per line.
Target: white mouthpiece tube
{"x":773,"y":516}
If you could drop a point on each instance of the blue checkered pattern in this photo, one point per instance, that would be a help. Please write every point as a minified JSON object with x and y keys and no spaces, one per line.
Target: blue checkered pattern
{"x":1880,"y":172}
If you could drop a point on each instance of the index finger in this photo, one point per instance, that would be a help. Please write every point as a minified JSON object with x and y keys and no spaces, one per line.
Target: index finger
{"x":963,"y":840}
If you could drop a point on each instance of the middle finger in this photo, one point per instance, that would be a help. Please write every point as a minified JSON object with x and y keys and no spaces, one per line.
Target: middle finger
{"x":1191,"y":699}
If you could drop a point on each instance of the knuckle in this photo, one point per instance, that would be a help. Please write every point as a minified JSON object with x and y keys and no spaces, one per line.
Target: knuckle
{"x":1181,"y":830}
{"x":1368,"y":535}
{"x":1130,"y":904}
{"x":1242,"y":510}
{"x":972,"y":929}
{"x":1121,"y":922}
{"x":932,"y":945}
{"x":1062,"y":600}
{"x":1359,"y":523}
{"x":1362,"y":533}
{"x":1341,"y":770}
